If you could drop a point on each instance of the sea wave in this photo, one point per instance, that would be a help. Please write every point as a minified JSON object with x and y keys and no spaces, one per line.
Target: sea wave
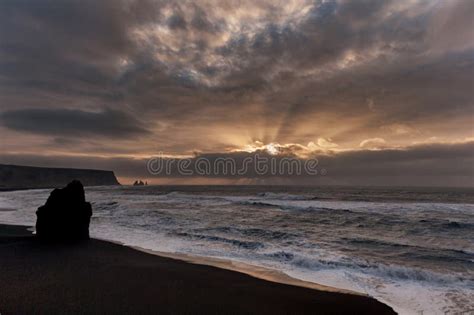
{"x":284,"y":196}
{"x":236,"y":242}
{"x":416,"y":249}
{"x":285,"y":206}
{"x":394,"y":272}
{"x":255,"y":233}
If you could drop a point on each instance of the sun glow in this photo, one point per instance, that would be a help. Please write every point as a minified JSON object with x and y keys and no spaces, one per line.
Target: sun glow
{"x":274,"y":148}
{"x":271,"y":148}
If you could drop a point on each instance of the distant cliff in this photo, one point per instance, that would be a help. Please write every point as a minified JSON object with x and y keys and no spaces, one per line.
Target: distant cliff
{"x":23,"y":177}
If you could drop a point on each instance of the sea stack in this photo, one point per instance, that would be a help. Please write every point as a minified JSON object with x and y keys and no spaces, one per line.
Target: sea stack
{"x":65,"y":216}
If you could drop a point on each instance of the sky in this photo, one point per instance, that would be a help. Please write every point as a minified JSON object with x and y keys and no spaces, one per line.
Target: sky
{"x":380,"y":92}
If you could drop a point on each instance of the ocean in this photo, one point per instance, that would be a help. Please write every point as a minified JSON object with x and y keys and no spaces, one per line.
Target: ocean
{"x":411,"y":248}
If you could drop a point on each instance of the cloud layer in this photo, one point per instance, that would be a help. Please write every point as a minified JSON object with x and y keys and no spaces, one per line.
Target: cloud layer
{"x":70,"y":122}
{"x":441,"y":165}
{"x":131,"y":78}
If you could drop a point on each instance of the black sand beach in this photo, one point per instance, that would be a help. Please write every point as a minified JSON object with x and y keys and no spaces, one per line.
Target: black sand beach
{"x":99,"y":277}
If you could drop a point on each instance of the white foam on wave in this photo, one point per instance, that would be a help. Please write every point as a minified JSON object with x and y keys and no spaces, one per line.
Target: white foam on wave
{"x":6,"y":204}
{"x":405,"y":297}
{"x":283,"y":196}
{"x":363,"y":206}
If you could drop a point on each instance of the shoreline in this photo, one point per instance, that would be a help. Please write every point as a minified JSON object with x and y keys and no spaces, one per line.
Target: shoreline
{"x":255,"y":271}
{"x":258,"y":272}
{"x":103,"y":276}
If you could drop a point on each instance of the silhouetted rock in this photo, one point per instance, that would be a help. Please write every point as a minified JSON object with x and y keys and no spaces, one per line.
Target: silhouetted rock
{"x":20,"y":177}
{"x":66,"y":214}
{"x":138,"y":183}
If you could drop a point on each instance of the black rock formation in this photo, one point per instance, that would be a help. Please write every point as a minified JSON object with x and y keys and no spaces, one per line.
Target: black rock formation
{"x":21,"y":177}
{"x":65,"y":216}
{"x":138,"y":183}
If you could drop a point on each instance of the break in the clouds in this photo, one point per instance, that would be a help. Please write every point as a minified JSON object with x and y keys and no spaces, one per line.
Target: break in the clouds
{"x":125,"y":79}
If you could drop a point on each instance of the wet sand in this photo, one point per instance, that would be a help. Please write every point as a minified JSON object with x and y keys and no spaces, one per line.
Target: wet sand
{"x":99,"y":277}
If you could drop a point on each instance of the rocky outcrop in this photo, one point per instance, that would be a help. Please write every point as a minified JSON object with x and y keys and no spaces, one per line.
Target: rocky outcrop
{"x":139,"y":183}
{"x":22,"y":177}
{"x":65,"y":216}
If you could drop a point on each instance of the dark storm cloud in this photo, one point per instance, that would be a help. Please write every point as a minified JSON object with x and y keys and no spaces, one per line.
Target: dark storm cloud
{"x":392,"y":62}
{"x":67,"y":122}
{"x":114,"y":51}
{"x":322,"y":37}
{"x":421,"y":165}
{"x":176,"y":21}
{"x":68,"y":48}
{"x":419,"y":160}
